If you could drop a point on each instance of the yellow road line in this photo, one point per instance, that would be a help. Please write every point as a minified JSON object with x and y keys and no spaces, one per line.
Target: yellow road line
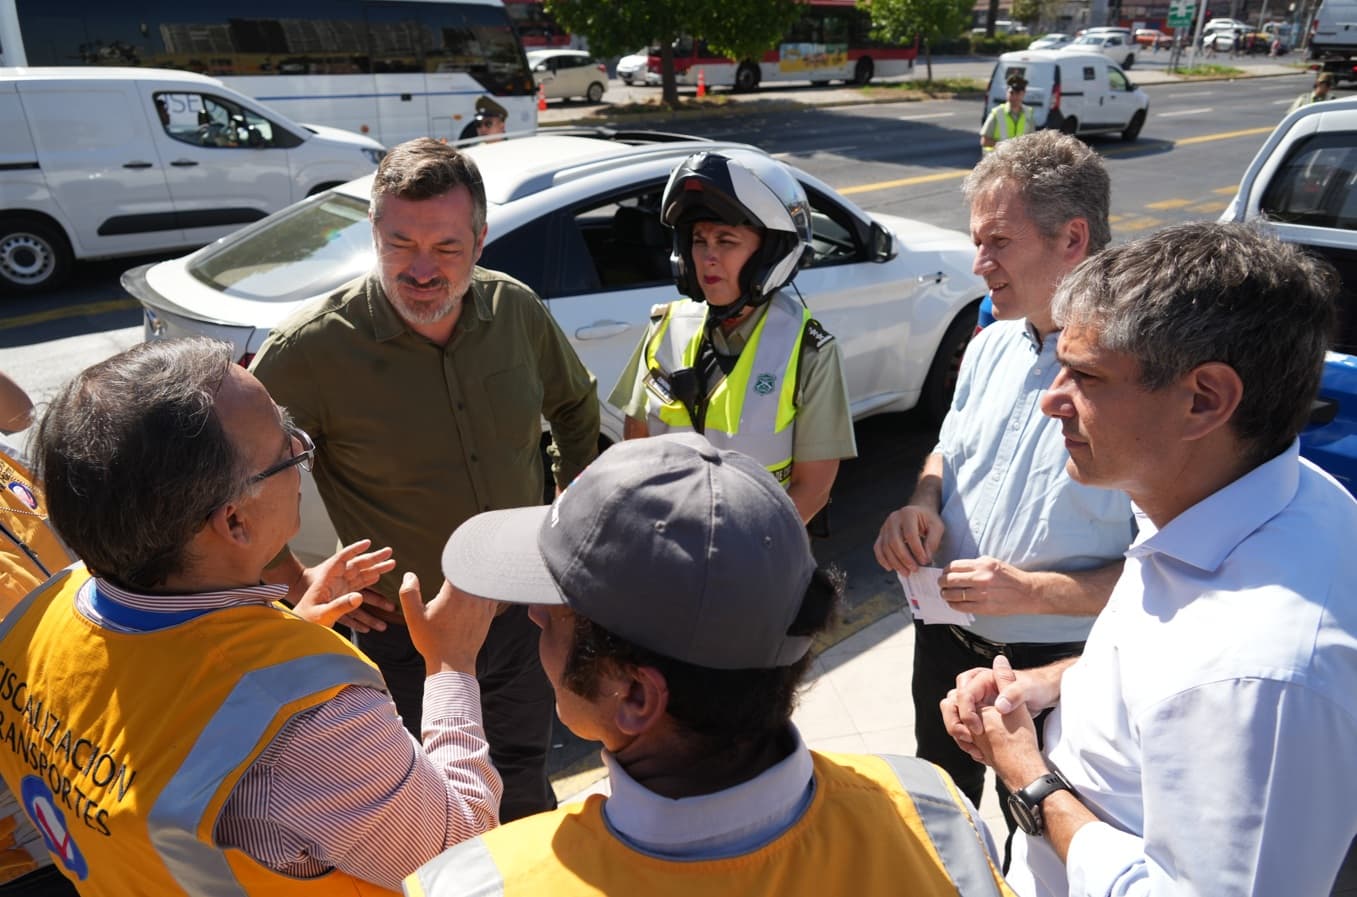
{"x":954,"y":174}
{"x":1140,"y":223}
{"x":70,"y":311}
{"x":1210,"y":207}
{"x":1169,"y":204}
{"x":1227,"y":191}
{"x":958,"y":173}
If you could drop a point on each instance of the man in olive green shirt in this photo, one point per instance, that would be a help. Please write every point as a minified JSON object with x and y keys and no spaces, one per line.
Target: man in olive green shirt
{"x":423,"y":385}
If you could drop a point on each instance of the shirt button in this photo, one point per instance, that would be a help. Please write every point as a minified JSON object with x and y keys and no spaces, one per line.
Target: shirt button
{"x":486,"y":508}
{"x":474,"y":459}
{"x":460,"y":406}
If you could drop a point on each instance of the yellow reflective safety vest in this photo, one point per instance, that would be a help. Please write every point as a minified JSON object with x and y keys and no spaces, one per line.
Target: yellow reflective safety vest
{"x":875,"y":826}
{"x":123,"y":741}
{"x":1007,"y":128}
{"x":751,"y":410}
{"x":30,"y":551}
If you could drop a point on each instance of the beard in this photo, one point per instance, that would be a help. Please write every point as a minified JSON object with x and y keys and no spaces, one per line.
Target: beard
{"x":424,"y":311}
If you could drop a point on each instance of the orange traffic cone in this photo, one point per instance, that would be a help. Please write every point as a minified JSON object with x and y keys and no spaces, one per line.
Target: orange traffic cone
{"x":542,"y":97}
{"x":701,"y":83}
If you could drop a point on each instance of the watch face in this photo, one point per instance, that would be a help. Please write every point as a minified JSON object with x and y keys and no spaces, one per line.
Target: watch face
{"x":1027,"y":817}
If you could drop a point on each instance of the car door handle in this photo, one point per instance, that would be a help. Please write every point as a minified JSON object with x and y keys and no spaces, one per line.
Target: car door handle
{"x":937,"y":277}
{"x":137,"y":165}
{"x":183,"y":163}
{"x":602,"y":330}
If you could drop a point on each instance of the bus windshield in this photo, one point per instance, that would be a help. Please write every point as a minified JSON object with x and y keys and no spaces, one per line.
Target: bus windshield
{"x":388,"y":68}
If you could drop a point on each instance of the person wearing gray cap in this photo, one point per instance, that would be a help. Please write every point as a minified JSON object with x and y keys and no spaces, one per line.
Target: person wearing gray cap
{"x":678,"y":600}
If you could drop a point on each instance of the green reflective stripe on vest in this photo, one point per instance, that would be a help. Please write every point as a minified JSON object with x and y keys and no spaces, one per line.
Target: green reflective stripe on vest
{"x":751,"y":410}
{"x":466,"y":870}
{"x":225,"y":743}
{"x":949,"y":826}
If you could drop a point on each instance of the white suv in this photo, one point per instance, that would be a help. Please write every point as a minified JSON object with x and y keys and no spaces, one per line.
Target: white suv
{"x":568,"y":73}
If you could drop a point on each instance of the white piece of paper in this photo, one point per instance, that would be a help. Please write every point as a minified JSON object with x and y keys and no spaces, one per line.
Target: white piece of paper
{"x":925,"y":598}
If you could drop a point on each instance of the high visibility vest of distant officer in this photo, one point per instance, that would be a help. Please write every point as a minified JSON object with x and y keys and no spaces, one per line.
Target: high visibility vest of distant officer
{"x":1321,"y":92}
{"x":742,"y":361}
{"x":1010,"y":119}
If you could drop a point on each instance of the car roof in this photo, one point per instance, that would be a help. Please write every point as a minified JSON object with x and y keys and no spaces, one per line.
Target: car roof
{"x":99,"y":73}
{"x":1048,"y":56}
{"x":540,"y":54}
{"x":527,"y":165}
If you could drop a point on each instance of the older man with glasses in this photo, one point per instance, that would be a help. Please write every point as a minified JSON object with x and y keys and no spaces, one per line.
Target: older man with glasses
{"x":174,"y":730}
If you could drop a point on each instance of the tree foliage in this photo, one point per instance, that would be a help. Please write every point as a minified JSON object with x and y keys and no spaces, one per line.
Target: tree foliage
{"x":901,"y":21}
{"x":740,"y":29}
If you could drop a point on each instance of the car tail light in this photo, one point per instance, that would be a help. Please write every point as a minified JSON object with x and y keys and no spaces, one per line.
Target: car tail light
{"x":246,"y":359}
{"x":603,"y":68}
{"x":1055,"y":98}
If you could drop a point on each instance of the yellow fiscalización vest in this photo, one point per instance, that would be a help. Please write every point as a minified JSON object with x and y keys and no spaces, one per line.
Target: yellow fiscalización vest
{"x":30,"y":551}
{"x":751,"y":410}
{"x":123,"y":741}
{"x":1006,"y":128}
{"x":876,"y":826}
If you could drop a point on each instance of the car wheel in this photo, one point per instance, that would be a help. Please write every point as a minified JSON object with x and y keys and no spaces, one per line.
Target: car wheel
{"x":1133,"y":129}
{"x":34,"y":255}
{"x":1069,"y":125}
{"x":863,"y":71}
{"x":746,"y":77}
{"x":1130,"y":61}
{"x":595,"y":94}
{"x":936,"y":398}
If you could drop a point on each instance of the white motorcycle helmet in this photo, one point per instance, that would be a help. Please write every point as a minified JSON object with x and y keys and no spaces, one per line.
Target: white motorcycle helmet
{"x":738,"y":187}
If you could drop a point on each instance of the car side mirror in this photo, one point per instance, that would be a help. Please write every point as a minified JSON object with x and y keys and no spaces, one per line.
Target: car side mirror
{"x":882,"y":243}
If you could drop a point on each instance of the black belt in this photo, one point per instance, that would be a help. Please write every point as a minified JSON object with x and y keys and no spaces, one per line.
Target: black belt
{"x":983,"y":647}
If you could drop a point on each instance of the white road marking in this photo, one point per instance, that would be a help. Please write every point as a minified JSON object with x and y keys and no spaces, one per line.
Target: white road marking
{"x":1183,"y":112}
{"x":929,"y":115}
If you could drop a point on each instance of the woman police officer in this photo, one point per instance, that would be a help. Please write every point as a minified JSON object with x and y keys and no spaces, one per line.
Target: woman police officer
{"x":741,"y":360}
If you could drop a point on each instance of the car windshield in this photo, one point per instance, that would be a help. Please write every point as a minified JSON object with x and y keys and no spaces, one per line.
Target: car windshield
{"x":306,"y":252}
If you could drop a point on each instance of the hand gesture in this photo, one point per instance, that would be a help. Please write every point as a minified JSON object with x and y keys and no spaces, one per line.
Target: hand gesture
{"x":336,"y":589}
{"x":908,"y":539}
{"x":986,"y":586}
{"x":448,"y":631}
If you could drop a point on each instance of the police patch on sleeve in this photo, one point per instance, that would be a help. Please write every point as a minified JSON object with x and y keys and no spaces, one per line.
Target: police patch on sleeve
{"x":816,"y":335}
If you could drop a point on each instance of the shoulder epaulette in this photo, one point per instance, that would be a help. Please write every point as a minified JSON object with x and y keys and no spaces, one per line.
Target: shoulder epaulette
{"x":657,"y":310}
{"x":816,"y":335}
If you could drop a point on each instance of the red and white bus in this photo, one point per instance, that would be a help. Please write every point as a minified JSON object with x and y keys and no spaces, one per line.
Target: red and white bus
{"x":831,"y":41}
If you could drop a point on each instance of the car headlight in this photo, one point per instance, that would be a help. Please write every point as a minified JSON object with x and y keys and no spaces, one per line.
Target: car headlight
{"x":374,"y":156}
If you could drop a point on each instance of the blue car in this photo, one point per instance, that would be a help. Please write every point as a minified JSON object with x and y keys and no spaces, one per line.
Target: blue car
{"x":1331,"y":439}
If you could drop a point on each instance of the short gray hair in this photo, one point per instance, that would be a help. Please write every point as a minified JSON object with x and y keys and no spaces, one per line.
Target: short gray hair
{"x":425,"y":168}
{"x":1058,"y":179}
{"x":1197,"y":293}
{"x":133,"y":459}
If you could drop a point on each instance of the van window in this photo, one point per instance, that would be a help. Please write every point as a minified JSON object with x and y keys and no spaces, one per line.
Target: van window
{"x":1117,"y":81}
{"x":1090,"y":74}
{"x":1317,"y":184}
{"x":200,"y":119}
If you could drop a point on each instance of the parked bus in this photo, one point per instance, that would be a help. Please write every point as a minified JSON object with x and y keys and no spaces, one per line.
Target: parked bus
{"x":537,"y":29}
{"x":393,"y":69}
{"x":831,"y":41}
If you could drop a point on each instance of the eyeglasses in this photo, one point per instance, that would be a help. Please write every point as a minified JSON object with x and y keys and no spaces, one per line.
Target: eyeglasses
{"x":306,"y":459}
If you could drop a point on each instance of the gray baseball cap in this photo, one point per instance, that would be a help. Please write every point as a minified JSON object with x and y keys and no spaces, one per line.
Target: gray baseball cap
{"x":676,"y":546}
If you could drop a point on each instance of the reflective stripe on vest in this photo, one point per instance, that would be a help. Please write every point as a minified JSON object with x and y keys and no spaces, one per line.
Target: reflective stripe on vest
{"x":751,"y":409}
{"x":227,"y":742}
{"x":954,"y":834}
{"x":471,"y":872}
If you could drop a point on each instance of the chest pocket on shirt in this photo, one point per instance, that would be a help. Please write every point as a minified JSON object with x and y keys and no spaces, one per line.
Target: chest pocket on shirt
{"x":515,"y":402}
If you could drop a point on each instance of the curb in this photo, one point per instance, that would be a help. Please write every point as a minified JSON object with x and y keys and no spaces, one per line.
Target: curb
{"x":752,"y":107}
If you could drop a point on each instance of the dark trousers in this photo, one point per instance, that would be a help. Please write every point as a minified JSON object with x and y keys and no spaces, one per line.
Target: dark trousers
{"x":517,"y":702}
{"x":45,"y":882}
{"x":940,"y":655}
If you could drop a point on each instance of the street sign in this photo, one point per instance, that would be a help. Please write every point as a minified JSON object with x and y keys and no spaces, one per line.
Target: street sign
{"x":1180,"y":13}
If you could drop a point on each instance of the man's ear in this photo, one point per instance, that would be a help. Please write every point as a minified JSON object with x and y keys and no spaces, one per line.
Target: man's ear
{"x":1216,"y":393}
{"x":643,"y":700}
{"x":230,"y":524}
{"x":1074,"y":239}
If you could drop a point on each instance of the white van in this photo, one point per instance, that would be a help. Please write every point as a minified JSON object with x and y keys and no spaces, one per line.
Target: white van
{"x":98,"y":162}
{"x":1078,"y":93}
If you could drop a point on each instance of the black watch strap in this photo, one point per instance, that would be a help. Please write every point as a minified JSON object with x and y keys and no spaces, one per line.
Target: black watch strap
{"x":1026,"y":802}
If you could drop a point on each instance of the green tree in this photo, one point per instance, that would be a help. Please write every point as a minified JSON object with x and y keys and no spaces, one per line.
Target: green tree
{"x":900,"y":21}
{"x":740,"y":29}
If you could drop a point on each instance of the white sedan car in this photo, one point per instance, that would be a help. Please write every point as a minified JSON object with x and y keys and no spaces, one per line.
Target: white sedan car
{"x":1117,"y":46}
{"x":577,"y":219}
{"x":635,"y":69}
{"x":568,"y":73}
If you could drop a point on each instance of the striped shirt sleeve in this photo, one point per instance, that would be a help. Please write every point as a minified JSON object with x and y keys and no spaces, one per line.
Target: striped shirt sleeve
{"x":344,"y":786}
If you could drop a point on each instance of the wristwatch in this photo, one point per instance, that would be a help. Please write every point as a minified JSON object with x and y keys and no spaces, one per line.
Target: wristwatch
{"x":1025,"y":805}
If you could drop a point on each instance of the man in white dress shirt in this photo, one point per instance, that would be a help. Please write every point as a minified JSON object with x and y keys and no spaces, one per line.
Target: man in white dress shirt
{"x":1204,"y":743}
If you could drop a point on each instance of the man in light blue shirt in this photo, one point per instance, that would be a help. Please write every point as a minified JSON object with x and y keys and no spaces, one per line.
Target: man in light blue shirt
{"x":1204,"y":743}
{"x":1032,"y":554}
